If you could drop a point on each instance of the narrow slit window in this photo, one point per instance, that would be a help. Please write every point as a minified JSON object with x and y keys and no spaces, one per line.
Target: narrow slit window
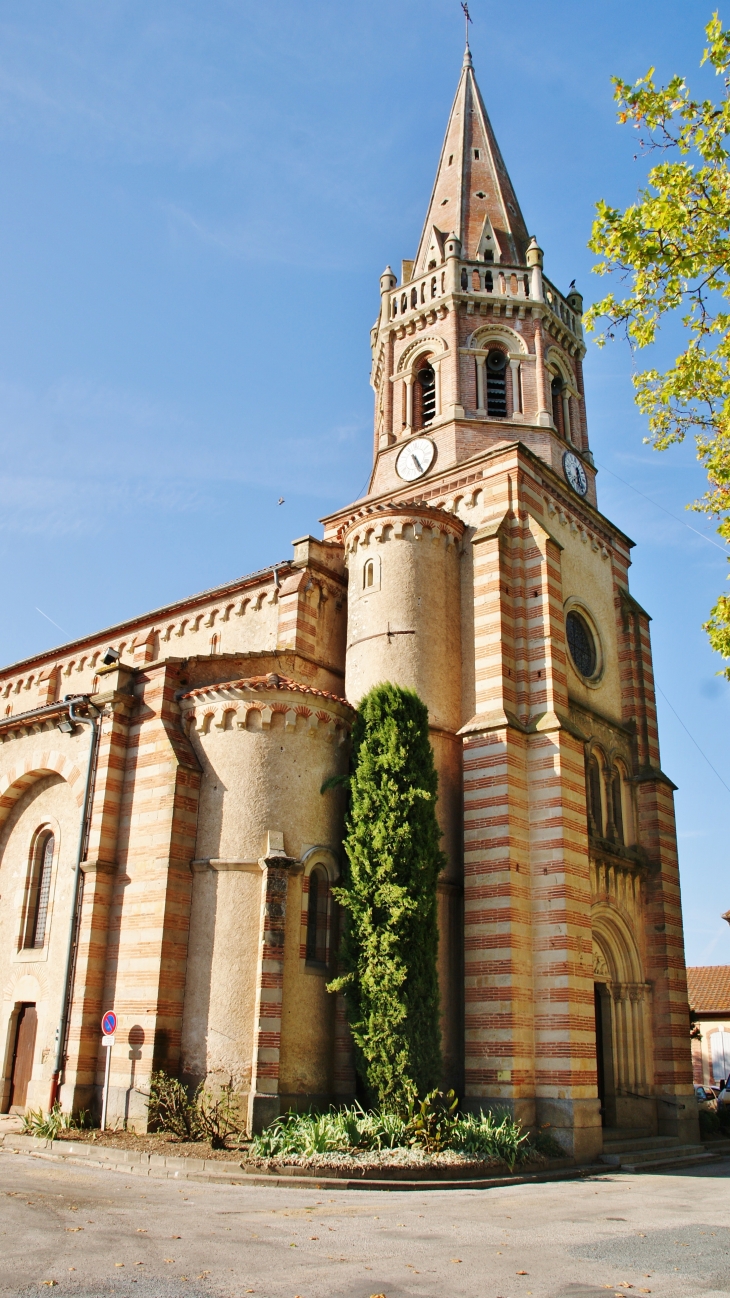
{"x":317,"y":917}
{"x":476,"y":155}
{"x":368,"y":575}
{"x":40,"y":890}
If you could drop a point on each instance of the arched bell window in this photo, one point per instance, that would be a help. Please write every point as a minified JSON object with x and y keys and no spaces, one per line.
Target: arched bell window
{"x":617,"y":808}
{"x":557,"y":388}
{"x":317,"y":910}
{"x":595,"y":803}
{"x":425,"y":394}
{"x":40,"y":888}
{"x":496,"y":368}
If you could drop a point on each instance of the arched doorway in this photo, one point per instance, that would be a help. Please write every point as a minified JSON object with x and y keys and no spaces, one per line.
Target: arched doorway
{"x":623,"y":1051}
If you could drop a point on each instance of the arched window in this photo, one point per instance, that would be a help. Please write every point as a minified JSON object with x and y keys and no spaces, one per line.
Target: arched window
{"x":40,"y":887}
{"x":497,"y":384}
{"x":414,"y":297}
{"x":368,"y":574}
{"x":425,"y":392}
{"x":581,"y":644}
{"x":617,"y":807}
{"x":556,"y":392}
{"x":317,"y":917}
{"x":595,"y":805}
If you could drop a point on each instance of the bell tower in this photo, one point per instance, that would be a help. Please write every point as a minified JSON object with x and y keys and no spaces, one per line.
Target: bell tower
{"x":483,"y":576}
{"x":474,"y":346}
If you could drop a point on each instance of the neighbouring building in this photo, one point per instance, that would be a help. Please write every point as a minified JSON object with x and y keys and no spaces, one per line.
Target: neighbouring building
{"x":709,"y":1003}
{"x":478,"y":570}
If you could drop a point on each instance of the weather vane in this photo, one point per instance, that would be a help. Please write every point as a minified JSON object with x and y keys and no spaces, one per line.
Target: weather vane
{"x":467,"y":18}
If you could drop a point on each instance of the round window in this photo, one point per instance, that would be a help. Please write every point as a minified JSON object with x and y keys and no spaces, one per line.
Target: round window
{"x":581,"y":644}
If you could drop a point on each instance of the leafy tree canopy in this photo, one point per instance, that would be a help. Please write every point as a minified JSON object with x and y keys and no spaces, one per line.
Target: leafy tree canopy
{"x":672,"y":251}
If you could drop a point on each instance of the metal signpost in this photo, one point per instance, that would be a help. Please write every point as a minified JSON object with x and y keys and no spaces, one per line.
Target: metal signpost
{"x":108,"y":1027}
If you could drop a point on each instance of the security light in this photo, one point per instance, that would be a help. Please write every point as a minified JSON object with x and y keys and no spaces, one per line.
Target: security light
{"x":66,"y":726}
{"x":110,"y":657}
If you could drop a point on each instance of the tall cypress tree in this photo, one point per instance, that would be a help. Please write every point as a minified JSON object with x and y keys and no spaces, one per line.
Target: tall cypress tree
{"x":390,"y":938}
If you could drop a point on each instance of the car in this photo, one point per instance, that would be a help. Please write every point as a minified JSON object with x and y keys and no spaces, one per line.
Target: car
{"x":706,"y":1100}
{"x":723,"y":1098}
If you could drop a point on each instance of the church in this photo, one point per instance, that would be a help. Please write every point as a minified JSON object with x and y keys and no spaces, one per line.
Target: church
{"x":167,"y":851}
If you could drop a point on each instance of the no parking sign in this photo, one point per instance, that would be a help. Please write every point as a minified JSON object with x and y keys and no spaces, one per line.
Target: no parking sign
{"x":108,"y":1027}
{"x":109,"y":1023}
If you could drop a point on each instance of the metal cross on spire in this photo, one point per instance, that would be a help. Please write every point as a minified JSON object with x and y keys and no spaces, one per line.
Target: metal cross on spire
{"x":467,"y":20}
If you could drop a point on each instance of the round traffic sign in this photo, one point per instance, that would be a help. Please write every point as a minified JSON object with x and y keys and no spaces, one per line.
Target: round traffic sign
{"x":109,"y":1023}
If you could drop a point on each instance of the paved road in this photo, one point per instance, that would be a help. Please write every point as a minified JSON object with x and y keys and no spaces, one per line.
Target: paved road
{"x":98,"y":1233}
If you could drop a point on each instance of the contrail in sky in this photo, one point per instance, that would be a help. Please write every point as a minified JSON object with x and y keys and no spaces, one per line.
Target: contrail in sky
{"x":50,"y":619}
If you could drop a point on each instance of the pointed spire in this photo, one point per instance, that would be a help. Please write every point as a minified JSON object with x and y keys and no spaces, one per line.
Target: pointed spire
{"x":473,"y":194}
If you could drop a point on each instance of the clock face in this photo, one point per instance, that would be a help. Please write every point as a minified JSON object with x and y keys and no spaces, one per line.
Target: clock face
{"x":575,"y":473}
{"x":415,"y":459}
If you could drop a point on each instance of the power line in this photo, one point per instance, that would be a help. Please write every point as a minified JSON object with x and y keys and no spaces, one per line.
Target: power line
{"x":694,"y":741}
{"x":651,"y":500}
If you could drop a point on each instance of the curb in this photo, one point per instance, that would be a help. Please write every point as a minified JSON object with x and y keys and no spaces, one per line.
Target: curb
{"x":214,"y":1172}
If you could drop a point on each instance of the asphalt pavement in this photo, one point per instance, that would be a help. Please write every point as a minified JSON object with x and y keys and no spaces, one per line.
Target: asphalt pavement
{"x":92,"y":1233}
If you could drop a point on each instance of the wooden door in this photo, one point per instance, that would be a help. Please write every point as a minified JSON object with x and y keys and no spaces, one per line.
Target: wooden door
{"x":23,"y":1056}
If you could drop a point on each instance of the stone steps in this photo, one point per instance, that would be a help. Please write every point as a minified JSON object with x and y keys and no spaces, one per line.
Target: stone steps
{"x":652,"y":1153}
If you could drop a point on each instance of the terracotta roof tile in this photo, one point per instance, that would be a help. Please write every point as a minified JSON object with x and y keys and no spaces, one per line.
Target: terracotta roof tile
{"x":709,"y":988}
{"x":270,"y":682}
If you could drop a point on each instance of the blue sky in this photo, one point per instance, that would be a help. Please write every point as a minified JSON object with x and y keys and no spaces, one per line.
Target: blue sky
{"x":198,"y":201}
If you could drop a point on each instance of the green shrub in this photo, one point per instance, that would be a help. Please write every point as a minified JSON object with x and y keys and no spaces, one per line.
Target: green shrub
{"x":171,"y":1109}
{"x":434,"y":1121}
{"x":49,"y":1125}
{"x":341,"y":1130}
{"x":433,"y":1126}
{"x":390,"y":942}
{"x":202,"y":1116}
{"x":489,"y":1135}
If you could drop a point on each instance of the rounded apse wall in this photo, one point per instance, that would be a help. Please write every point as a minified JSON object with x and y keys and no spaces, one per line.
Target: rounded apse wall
{"x":404,"y":608}
{"x":266,"y":746}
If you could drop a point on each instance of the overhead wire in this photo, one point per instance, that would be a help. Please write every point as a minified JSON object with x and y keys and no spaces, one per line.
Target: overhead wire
{"x":652,"y":501}
{"x":694,"y":741}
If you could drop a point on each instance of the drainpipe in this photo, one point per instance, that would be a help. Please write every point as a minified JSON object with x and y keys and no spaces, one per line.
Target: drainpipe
{"x":66,"y":993}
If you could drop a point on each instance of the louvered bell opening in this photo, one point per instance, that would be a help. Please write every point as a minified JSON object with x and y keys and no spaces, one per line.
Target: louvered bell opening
{"x":497,"y":385}
{"x":427,"y":381}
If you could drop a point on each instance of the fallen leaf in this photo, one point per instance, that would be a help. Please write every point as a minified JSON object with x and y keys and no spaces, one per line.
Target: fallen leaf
{"x":50,"y":1282}
{"x":456,"y":1259}
{"x":203,"y":1274}
{"x":169,"y":1259}
{"x":314,"y":1236}
{"x":176,"y":1237}
{"x":522,"y":1272}
{"x":73,"y":1229}
{"x":119,"y":1264}
{"x":141,"y":1230}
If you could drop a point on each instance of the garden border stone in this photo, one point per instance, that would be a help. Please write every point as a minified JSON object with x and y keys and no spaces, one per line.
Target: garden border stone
{"x":186,"y":1168}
